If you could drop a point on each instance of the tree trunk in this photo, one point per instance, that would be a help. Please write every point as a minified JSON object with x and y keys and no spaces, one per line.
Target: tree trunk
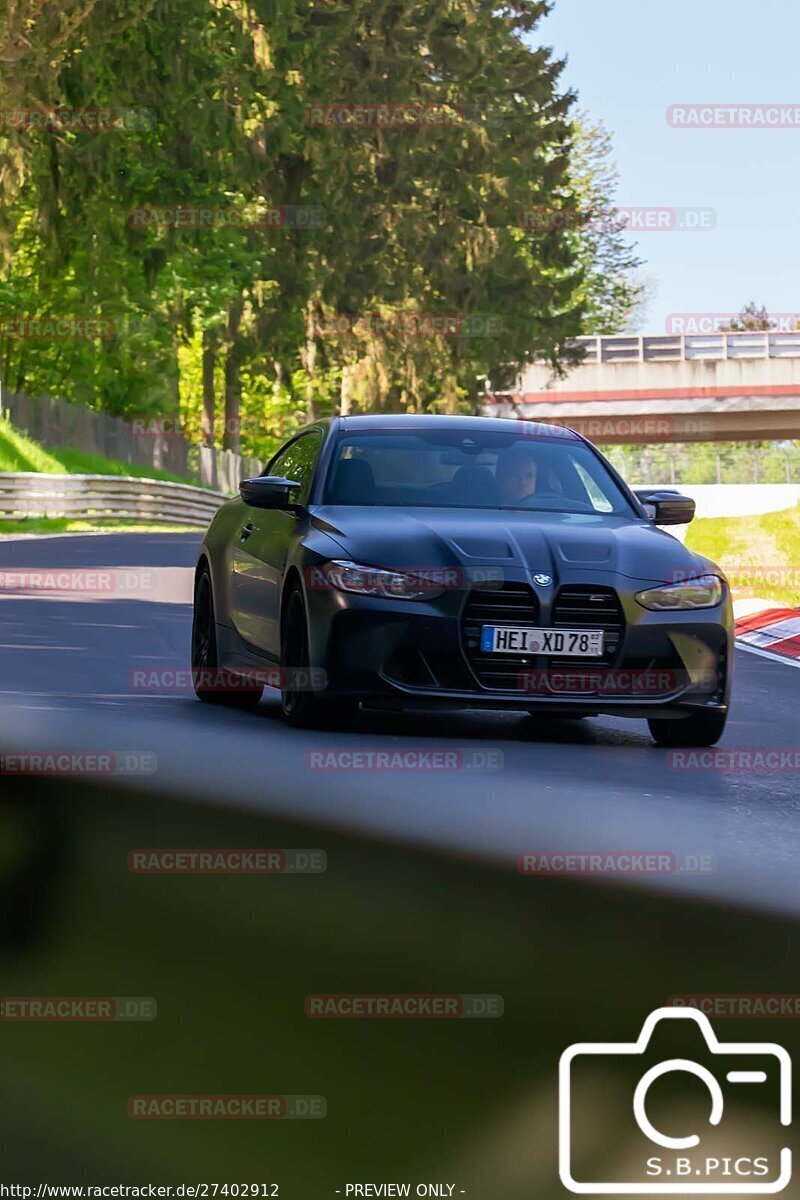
{"x":209,"y":401}
{"x":449,"y":392}
{"x":346,"y":391}
{"x":310,"y":363}
{"x":231,"y":439}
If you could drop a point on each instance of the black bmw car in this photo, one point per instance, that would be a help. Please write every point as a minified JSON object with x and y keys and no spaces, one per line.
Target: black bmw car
{"x":418,"y":561}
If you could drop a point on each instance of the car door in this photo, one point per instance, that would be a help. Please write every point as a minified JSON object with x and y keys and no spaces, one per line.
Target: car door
{"x":261,"y":546}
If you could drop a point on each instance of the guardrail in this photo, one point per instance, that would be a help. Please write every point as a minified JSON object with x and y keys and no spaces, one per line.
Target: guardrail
{"x":84,"y":497}
{"x":688,"y":347}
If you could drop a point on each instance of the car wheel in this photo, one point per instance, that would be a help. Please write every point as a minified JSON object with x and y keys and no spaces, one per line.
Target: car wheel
{"x":301,"y":707}
{"x":205,"y":661}
{"x":699,"y":729}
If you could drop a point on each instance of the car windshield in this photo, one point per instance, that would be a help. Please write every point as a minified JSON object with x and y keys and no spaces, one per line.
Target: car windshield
{"x":472,"y":469}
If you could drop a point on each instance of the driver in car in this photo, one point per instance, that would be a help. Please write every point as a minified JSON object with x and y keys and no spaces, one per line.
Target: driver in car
{"x":516,"y":475}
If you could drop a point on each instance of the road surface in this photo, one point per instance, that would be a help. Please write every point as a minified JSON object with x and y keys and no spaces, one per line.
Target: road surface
{"x":67,"y":664}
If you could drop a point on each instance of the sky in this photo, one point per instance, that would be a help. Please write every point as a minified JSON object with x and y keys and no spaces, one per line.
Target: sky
{"x":629,"y":60}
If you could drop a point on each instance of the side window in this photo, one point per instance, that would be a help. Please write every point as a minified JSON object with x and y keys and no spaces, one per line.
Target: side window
{"x":298,"y":460}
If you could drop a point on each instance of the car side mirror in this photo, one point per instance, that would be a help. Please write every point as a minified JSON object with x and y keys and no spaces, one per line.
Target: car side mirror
{"x":666,"y":508}
{"x":268,"y":491}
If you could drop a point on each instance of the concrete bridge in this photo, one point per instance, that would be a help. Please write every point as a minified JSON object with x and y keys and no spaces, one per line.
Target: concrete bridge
{"x":721,"y":387}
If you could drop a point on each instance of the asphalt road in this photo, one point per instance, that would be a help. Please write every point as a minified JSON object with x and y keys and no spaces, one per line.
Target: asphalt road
{"x":67,"y":681}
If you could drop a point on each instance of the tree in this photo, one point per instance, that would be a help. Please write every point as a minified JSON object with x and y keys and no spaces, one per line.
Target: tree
{"x":612,"y":294}
{"x":419,"y":227}
{"x":751,"y":319}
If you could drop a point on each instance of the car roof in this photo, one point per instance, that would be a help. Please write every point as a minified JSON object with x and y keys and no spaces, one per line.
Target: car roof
{"x":395,"y":421}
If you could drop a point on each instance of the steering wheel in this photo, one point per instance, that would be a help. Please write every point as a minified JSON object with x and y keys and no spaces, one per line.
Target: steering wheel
{"x":535,"y":497}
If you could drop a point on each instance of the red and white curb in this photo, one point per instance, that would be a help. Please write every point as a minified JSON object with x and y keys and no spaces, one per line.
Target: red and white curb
{"x":763,"y":628}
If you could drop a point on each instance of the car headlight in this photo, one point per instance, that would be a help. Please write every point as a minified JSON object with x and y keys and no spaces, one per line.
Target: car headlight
{"x":371,"y":581}
{"x":703,"y":592}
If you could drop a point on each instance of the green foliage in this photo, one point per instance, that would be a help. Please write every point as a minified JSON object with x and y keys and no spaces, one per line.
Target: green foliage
{"x":750,"y":319}
{"x":719,"y":462}
{"x":759,"y":553}
{"x":611,"y":297}
{"x":415,"y":225}
{"x":33,"y":525}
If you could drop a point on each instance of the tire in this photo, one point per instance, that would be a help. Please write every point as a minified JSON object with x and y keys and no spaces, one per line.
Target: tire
{"x":205,"y":658}
{"x":301,"y":707}
{"x":699,"y":729}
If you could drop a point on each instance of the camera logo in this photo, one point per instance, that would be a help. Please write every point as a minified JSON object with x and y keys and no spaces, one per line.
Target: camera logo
{"x":683,"y":1164}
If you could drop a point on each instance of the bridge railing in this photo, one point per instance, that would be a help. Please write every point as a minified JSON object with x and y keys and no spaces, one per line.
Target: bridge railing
{"x":689,"y":347}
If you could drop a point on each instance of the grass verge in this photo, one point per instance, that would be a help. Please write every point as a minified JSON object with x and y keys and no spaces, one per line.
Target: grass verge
{"x":759,"y":554}
{"x":67,"y":525}
{"x":18,"y":452}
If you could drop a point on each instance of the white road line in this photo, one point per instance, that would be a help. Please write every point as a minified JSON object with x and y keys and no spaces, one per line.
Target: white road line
{"x":778,"y":658}
{"x":49,"y":537}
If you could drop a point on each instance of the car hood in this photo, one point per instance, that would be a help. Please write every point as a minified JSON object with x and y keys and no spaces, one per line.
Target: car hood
{"x":558,"y":544}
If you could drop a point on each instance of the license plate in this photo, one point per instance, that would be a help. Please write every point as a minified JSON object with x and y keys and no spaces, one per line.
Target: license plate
{"x":509,"y":639}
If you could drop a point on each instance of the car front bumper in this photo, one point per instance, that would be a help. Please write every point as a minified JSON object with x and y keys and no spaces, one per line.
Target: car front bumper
{"x":413,"y":654}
